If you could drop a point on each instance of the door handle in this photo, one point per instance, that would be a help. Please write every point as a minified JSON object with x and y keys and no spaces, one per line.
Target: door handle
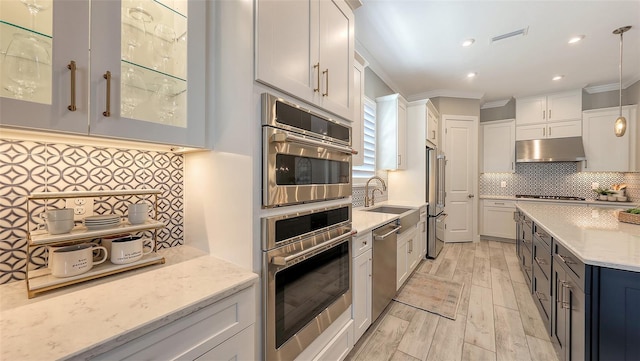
{"x":470,"y":196}
{"x":107,"y":112}
{"x":326,"y":89}
{"x":381,"y":237}
{"x":281,"y":137}
{"x":72,"y":66}
{"x":317,"y":67}
{"x":283,"y":261}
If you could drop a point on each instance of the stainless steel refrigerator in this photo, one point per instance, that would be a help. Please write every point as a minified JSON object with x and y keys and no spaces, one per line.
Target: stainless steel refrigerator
{"x":436,"y":198}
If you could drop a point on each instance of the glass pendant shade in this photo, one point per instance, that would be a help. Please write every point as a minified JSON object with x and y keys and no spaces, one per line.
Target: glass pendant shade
{"x":620,"y":126}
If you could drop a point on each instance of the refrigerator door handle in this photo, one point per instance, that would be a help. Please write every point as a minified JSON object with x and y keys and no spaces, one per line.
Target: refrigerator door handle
{"x":441,"y":194}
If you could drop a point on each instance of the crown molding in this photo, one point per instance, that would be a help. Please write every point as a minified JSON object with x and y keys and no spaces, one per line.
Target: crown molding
{"x":495,"y":103}
{"x":449,"y":93}
{"x":376,"y":68}
{"x":611,"y":87}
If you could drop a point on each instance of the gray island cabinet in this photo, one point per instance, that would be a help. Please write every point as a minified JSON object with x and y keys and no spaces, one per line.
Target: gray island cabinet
{"x":582,"y":267}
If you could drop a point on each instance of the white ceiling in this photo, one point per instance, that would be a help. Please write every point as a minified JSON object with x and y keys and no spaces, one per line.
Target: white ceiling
{"x":415,"y":46}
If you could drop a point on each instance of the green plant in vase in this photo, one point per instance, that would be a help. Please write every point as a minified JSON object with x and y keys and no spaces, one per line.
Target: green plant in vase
{"x":603,"y":193}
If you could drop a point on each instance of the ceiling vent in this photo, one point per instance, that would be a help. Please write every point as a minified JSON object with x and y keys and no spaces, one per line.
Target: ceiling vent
{"x":520,"y":32}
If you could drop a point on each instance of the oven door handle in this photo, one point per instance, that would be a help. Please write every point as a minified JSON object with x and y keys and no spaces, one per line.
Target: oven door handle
{"x":280,"y":137}
{"x":283,"y":261}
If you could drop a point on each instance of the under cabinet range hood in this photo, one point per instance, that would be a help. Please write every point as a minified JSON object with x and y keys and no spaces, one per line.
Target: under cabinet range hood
{"x":550,"y":150}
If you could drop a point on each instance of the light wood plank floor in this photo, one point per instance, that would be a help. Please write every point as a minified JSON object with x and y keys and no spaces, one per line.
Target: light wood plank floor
{"x":496,"y":320}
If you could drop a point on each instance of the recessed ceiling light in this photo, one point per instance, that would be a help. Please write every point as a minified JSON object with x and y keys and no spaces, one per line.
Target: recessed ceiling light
{"x":468,"y":42}
{"x":576,"y":39}
{"x":557,"y":77}
{"x":472,"y":75}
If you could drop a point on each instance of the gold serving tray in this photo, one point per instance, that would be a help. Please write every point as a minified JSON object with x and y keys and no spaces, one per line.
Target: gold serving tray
{"x":41,"y":280}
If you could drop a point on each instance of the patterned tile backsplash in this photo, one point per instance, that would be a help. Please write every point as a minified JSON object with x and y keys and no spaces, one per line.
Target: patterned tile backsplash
{"x":555,"y":179}
{"x":27,"y":166}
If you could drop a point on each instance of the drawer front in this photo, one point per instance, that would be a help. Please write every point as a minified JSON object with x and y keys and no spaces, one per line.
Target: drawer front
{"x":542,"y":257}
{"x":542,"y":295}
{"x":499,"y":203}
{"x":541,"y":234}
{"x":564,"y":257}
{"x":525,"y":263}
{"x":527,"y":233}
{"x":361,"y":244}
{"x":194,"y":334}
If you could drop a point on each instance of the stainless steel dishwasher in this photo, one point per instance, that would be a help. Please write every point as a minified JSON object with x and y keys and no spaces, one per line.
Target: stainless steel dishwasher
{"x":384,"y":266}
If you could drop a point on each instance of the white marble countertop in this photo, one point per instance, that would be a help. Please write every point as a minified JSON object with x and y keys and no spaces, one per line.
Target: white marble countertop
{"x":588,"y":202}
{"x":364,"y":221}
{"x":592,"y":233}
{"x":93,"y":317}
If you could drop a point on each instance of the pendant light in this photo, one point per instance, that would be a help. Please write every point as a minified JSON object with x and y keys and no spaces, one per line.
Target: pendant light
{"x":620,"y":126}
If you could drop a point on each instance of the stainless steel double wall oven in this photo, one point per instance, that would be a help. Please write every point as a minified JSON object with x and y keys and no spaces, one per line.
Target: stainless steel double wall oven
{"x":306,"y":254}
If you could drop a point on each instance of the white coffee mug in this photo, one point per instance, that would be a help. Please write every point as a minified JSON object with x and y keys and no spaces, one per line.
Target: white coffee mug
{"x":138,"y":213}
{"x":58,"y":221}
{"x":129,"y":249}
{"x":73,"y":260}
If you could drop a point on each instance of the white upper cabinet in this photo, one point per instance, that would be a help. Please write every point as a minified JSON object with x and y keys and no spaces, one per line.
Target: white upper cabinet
{"x":604,"y":151}
{"x":357,"y":126}
{"x":144,"y":80}
{"x":498,"y":146}
{"x":531,"y":110}
{"x":432,"y":124}
{"x":555,"y":115}
{"x":391,"y":132}
{"x":156,"y":64}
{"x":306,"y":48}
{"x":35,"y":83}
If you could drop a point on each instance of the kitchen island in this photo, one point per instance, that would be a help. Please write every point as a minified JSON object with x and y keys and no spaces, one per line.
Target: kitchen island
{"x":583,"y":269}
{"x":91,"y":318}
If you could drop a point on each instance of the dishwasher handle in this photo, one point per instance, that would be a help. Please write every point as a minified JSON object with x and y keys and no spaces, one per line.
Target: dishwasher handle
{"x":383,"y":236}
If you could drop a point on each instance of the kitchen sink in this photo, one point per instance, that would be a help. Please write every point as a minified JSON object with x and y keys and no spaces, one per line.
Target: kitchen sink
{"x":389,"y":209}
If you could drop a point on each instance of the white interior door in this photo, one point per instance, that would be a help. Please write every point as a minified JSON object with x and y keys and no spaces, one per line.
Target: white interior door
{"x":461,"y":150}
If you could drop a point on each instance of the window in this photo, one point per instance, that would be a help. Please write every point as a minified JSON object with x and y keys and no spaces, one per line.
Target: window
{"x":368,"y":169}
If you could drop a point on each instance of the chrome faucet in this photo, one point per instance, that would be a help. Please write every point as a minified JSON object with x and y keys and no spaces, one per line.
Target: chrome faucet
{"x":369,"y":201}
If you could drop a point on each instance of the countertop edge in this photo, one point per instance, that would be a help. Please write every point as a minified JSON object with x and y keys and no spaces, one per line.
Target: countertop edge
{"x":160,"y":304}
{"x":577,"y":253}
{"x":376,"y":220}
{"x":153,"y":325}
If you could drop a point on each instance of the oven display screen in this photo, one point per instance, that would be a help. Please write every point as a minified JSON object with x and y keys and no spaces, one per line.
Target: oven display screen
{"x":297,"y":226}
{"x":294,"y":117}
{"x":295,"y":170}
{"x":307,"y":288}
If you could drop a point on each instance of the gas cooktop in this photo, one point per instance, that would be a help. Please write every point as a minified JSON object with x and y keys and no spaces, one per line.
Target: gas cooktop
{"x":561,"y":198}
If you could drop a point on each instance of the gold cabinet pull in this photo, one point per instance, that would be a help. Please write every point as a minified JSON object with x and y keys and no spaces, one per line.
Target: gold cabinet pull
{"x":326,"y":93}
{"x":107,"y":75}
{"x":72,"y":66}
{"x":317,"y":67}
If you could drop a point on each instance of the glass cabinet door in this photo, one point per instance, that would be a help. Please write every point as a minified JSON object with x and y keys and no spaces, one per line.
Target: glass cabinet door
{"x":44,"y":63}
{"x":143,"y":81}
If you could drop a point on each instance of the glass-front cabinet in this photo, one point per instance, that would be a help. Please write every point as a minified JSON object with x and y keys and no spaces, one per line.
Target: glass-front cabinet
{"x":131,"y":69}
